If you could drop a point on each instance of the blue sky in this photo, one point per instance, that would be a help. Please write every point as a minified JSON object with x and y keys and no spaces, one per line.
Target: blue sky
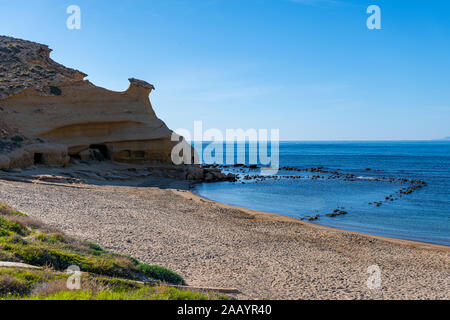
{"x":308,"y":67}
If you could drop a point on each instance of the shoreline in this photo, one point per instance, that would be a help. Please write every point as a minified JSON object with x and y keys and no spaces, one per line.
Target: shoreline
{"x":263,"y":255}
{"x":401,"y":227}
{"x":268,"y":215}
{"x":280,"y":217}
{"x":186,"y":192}
{"x":264,"y":215}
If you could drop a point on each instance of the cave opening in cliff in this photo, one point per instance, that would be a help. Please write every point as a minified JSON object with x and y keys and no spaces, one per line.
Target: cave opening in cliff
{"x":38,"y":158}
{"x":103,"y":150}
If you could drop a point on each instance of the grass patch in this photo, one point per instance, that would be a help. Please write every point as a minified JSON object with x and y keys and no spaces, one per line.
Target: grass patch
{"x":48,"y":284}
{"x":142,"y":293}
{"x":21,"y":282}
{"x":23,"y":239}
{"x":161,"y":273}
{"x":6,"y":210}
{"x":110,"y":276}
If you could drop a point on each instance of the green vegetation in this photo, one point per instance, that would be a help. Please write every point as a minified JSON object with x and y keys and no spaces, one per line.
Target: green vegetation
{"x":143,"y":293}
{"x":48,"y":284}
{"x":106,"y":275}
{"x":21,"y":282}
{"x":23,"y":239}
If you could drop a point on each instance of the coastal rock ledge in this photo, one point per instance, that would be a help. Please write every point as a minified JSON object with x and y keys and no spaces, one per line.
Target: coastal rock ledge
{"x":49,"y":113}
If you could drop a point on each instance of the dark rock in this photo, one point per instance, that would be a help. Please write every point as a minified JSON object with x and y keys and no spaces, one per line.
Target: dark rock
{"x":17,"y":139}
{"x":55,"y":91}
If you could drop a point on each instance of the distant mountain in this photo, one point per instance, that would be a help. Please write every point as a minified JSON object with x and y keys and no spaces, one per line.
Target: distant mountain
{"x":442,"y":139}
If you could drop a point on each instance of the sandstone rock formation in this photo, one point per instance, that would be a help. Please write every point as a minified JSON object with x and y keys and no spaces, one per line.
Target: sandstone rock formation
{"x":44,"y":101}
{"x":26,"y":64}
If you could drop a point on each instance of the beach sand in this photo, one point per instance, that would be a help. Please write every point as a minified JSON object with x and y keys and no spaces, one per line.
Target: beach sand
{"x":211,"y":244}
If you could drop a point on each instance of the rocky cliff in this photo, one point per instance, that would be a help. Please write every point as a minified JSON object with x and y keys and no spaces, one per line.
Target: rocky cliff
{"x":55,"y":113}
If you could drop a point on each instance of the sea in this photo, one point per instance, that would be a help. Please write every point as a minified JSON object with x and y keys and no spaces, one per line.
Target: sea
{"x":376,"y":169}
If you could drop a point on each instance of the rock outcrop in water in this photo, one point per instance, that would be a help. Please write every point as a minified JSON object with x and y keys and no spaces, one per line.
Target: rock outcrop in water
{"x":55,"y":113}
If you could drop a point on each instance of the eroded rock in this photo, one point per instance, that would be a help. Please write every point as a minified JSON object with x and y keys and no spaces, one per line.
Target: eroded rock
{"x":74,"y":113}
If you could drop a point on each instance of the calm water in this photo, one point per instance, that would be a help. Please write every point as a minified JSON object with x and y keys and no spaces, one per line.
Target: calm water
{"x":423,"y":215}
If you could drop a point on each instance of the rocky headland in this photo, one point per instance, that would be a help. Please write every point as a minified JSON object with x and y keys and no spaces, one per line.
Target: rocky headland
{"x":96,"y":164}
{"x":68,"y":115}
{"x":51,"y":115}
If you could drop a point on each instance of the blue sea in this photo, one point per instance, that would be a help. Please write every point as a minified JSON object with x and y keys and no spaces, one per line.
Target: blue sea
{"x":423,"y":215}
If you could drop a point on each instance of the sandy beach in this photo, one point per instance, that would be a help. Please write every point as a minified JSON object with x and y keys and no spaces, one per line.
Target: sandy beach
{"x":211,"y":244}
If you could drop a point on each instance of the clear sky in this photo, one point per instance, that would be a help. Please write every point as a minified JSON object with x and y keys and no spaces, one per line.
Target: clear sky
{"x":308,"y":67}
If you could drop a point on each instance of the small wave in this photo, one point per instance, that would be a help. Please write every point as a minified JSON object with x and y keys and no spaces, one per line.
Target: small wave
{"x":365,"y":178}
